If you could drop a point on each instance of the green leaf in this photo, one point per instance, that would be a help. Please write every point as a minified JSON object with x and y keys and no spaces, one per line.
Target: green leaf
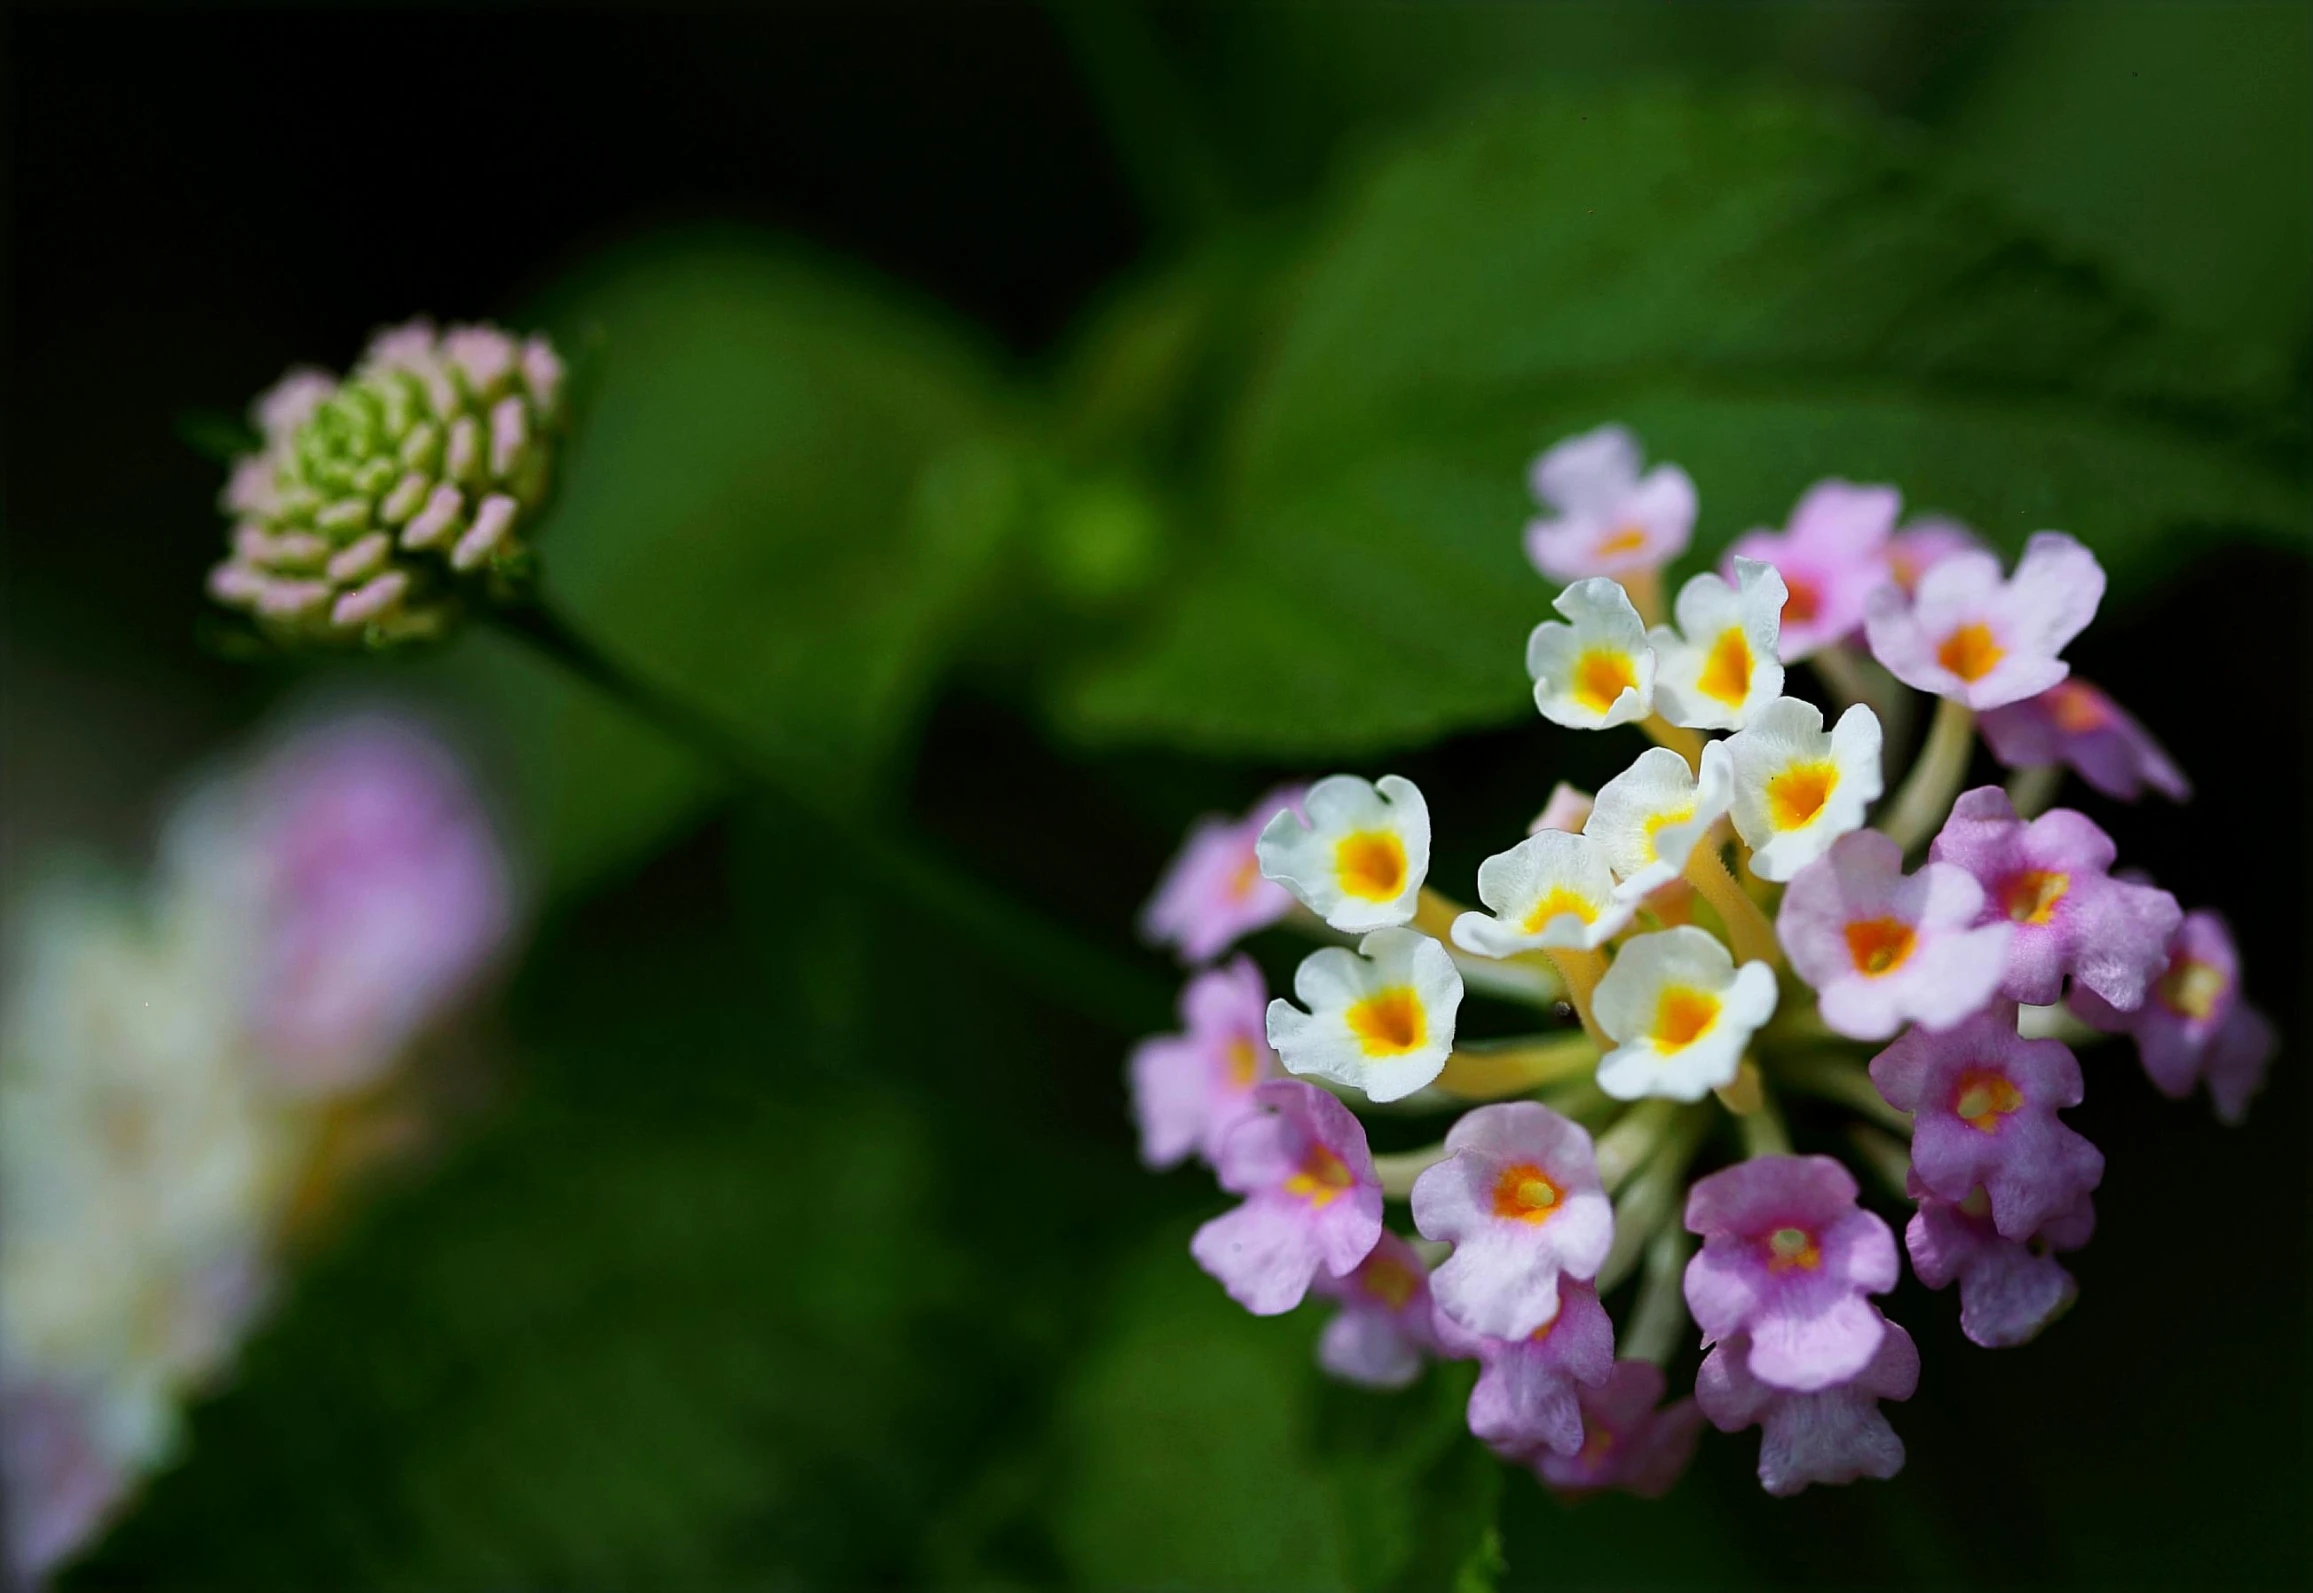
{"x":1202,"y":1448}
{"x":1768,"y":293}
{"x":788,"y":495}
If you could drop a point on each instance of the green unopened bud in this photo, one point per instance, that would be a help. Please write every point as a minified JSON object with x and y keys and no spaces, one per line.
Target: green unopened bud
{"x":380,"y":503}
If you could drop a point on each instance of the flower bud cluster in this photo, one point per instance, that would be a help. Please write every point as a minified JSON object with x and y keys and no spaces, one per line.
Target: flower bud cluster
{"x":1727,"y":927}
{"x":377,"y":501}
{"x":190,"y":1074}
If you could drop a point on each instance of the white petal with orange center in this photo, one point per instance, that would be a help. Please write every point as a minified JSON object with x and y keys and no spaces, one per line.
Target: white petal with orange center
{"x":1721,"y":664}
{"x":1359,"y":860}
{"x":1651,"y":817}
{"x":1797,"y":787}
{"x":1379,"y":1019}
{"x":1598,"y":669}
{"x":1551,"y":889}
{"x":1680,"y":1013}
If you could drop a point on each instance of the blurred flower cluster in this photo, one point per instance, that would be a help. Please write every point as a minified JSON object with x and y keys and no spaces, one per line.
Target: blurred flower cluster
{"x":1716,"y":933}
{"x":194,"y":1067}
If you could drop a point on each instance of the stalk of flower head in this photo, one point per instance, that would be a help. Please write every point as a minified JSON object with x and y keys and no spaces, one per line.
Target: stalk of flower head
{"x":1933,"y":1006}
{"x":385,"y":507}
{"x":194,"y":1075}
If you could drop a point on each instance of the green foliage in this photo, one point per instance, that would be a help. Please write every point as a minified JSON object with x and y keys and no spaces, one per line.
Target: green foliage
{"x":787,"y":499}
{"x":1769,"y":294}
{"x":1201,"y":1448}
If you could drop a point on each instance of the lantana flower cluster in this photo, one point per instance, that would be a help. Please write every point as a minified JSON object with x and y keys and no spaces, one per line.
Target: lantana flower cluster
{"x":193,"y":1073}
{"x":1748,"y":913}
{"x":376,"y":503}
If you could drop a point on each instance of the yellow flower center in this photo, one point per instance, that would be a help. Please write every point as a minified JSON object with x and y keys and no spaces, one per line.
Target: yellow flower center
{"x":1320,"y":1179}
{"x":1623,"y":539}
{"x":1970,"y":652}
{"x":1681,"y":1014}
{"x":1559,"y":902}
{"x":1789,"y":1248}
{"x":1656,"y":823}
{"x":2077,"y":709}
{"x":1244,"y":1062}
{"x":1390,"y":1281}
{"x":1371,"y":865}
{"x":1796,"y":795}
{"x":2031,"y":897}
{"x":2192,"y":988}
{"x":1879,"y":945}
{"x":1389,"y":1022}
{"x":1525,"y":1193}
{"x":1601,"y":677}
{"x":1246,"y":876}
{"x":1983,"y":1097}
{"x":1726,"y":676}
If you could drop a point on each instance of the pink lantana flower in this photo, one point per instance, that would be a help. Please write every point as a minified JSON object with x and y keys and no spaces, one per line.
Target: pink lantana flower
{"x":1925,"y":543}
{"x":1610,"y":519}
{"x":2076,"y":724}
{"x":361,"y":854}
{"x":1627,"y":1442}
{"x":1528,"y":1393}
{"x":1832,"y":556}
{"x":1519,"y":1199}
{"x":1882,"y":947}
{"x":1312,"y":1199}
{"x":1787,"y":1260}
{"x":1983,"y":1101}
{"x":1982,"y":641}
{"x":2194,"y":1026}
{"x":1383,"y":1330}
{"x":59,"y":1477}
{"x":1568,"y":809}
{"x":2051,"y":879}
{"x":1829,"y":1435}
{"x":2009,"y":1289}
{"x":1190,"y":1089}
{"x":1212,"y":893}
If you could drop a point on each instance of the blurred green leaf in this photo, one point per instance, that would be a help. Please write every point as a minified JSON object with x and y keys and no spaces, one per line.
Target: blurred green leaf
{"x":2175,"y":141}
{"x":786,"y":500}
{"x":1768,"y":293}
{"x":678,"y":1318}
{"x":1201,"y":1448}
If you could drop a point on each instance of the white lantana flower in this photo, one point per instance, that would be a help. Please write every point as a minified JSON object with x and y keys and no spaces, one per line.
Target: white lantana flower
{"x":1650,"y":818}
{"x":1551,"y":889}
{"x":1359,"y":860}
{"x":1597,"y":671}
{"x":1725,"y":666}
{"x":1680,"y":1013}
{"x":1380,"y":1019}
{"x":138,"y":1162}
{"x":1798,"y":789}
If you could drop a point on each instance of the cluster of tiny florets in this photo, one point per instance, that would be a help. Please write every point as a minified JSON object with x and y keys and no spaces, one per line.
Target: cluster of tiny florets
{"x":1731,"y":923}
{"x":377,"y":502}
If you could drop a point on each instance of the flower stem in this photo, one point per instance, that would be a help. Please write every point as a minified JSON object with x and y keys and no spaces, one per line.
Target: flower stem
{"x":1885,"y":1155}
{"x":1631,"y":1142}
{"x":1661,"y":1313}
{"x":1062,"y":963}
{"x":1686,"y":743}
{"x":2031,"y":790}
{"x":1527,"y":977}
{"x":1581,"y":970}
{"x":1652,"y":1200}
{"x":1844,"y":1080}
{"x":1749,"y":932}
{"x":1919,"y":808}
{"x":1763,"y":1131}
{"x":1398,"y":1172}
{"x":1488,"y":1072}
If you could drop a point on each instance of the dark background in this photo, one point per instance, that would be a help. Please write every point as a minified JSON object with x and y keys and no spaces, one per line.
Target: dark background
{"x":803,"y":1248}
